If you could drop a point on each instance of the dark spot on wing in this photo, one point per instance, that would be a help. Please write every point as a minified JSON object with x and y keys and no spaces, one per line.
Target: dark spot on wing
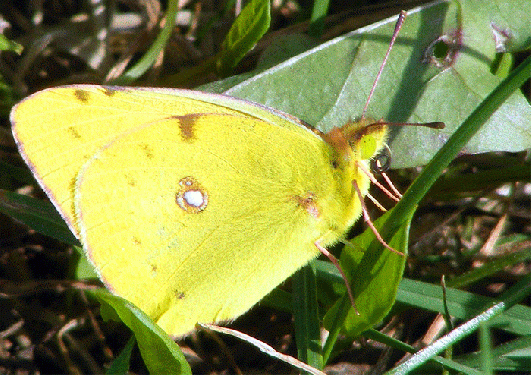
{"x":74,"y":132}
{"x":148,"y":151}
{"x":81,"y":95}
{"x":187,"y":126}
{"x":131,"y":181}
{"x":179,"y":295}
{"x":109,"y":91}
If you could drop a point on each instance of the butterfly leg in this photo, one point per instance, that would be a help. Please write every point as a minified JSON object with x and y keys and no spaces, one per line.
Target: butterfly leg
{"x":334,"y":260}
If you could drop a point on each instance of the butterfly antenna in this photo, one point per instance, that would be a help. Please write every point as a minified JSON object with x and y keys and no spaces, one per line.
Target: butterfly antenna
{"x":398,"y":26}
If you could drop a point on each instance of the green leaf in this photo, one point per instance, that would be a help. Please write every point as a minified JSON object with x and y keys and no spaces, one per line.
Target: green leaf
{"x":252,"y":23}
{"x":19,"y":174}
{"x":36,"y":214}
{"x":329,"y":84}
{"x":376,"y":273}
{"x":120,"y":365}
{"x":319,"y":12}
{"x":160,"y":353}
{"x":9,"y":45}
{"x":84,"y":269}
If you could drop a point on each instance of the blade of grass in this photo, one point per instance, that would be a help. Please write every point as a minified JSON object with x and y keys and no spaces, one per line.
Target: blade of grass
{"x":306,"y":317}
{"x":153,"y":53}
{"x":457,"y":334}
{"x":319,"y":12}
{"x":447,"y":363}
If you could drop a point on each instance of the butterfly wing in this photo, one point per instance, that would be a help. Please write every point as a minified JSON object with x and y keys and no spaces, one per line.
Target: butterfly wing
{"x":212,"y":254}
{"x":191,"y":205}
{"x":57,"y":130}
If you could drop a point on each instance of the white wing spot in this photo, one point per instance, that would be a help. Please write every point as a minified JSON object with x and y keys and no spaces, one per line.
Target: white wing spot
{"x":194,"y":198}
{"x":191,"y":196}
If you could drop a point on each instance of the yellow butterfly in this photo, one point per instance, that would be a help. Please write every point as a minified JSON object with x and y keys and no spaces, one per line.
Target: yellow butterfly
{"x":191,"y":205}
